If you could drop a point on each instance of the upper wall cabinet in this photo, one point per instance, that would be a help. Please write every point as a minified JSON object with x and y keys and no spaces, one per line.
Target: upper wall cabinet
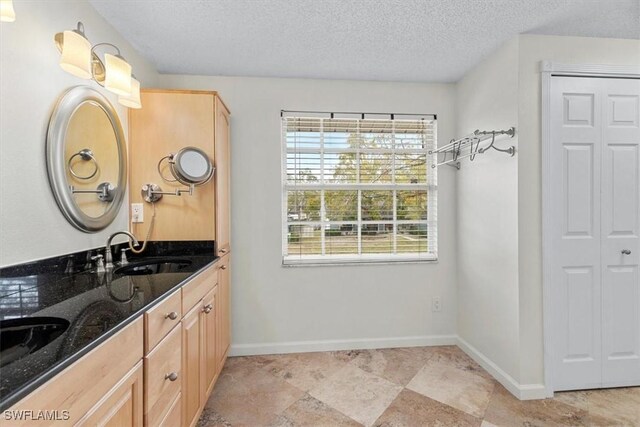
{"x":170,"y":121}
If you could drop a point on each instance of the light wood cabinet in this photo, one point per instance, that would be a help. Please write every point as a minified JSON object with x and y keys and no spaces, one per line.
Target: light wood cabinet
{"x":209,"y":344}
{"x":169,"y":121}
{"x":191,"y":365}
{"x":223,"y":309}
{"x":122,"y":407}
{"x":222,"y":177}
{"x":199,"y":349}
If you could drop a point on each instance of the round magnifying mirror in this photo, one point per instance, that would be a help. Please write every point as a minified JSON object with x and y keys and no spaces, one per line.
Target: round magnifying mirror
{"x":191,"y":166}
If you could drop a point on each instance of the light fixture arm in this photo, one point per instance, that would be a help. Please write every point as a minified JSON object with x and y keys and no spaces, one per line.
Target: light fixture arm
{"x":118,"y":54}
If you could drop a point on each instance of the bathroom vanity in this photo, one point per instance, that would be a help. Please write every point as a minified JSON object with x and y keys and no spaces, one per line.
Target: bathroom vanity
{"x":137,"y":342}
{"x":134,"y":349}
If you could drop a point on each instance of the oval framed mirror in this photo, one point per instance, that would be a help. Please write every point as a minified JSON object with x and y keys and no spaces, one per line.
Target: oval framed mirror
{"x":86,"y":159}
{"x":191,"y":166}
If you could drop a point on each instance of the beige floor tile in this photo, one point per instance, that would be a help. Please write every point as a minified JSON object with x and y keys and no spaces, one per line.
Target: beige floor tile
{"x":505,"y":410}
{"x":453,"y":385}
{"x":309,"y":411}
{"x":356,"y":393}
{"x":304,"y":370}
{"x":398,"y":365}
{"x":618,"y":406}
{"x":211,"y":418}
{"x":453,"y":356}
{"x":246,"y":394}
{"x":413,"y":409}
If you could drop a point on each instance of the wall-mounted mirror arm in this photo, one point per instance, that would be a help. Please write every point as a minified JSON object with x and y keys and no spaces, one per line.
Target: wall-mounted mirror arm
{"x":151,"y":193}
{"x":105,"y":191}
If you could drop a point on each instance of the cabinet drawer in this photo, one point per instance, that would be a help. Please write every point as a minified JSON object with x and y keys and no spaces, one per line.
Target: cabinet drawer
{"x":160,"y":366}
{"x":174,"y":416}
{"x":161,"y":319}
{"x":198,"y":287}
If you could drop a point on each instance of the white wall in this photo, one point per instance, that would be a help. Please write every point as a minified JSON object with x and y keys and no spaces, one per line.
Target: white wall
{"x":487,"y":194}
{"x":31,"y":225}
{"x":500,"y":277}
{"x":275,"y":306}
{"x":534,"y":49}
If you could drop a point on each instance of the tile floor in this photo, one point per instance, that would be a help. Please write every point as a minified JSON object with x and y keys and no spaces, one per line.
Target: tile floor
{"x":423,"y":386}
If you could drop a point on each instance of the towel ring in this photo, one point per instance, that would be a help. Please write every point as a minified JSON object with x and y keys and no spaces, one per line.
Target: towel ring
{"x":86,"y":155}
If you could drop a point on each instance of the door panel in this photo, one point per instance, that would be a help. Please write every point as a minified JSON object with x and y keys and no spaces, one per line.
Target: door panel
{"x":595,"y":161}
{"x":620,"y":232}
{"x":222,"y":178}
{"x":578,"y":188}
{"x":577,"y":131}
{"x":579,"y":315}
{"x":192,"y":372}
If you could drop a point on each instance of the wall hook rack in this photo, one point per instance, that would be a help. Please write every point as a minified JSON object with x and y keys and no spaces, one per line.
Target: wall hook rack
{"x":471,"y":145}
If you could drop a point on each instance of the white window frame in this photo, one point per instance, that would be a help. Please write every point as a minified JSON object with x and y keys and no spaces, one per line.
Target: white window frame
{"x":431,"y":187}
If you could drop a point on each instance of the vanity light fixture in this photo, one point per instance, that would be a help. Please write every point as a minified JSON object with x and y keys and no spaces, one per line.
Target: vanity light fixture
{"x":80,"y":58}
{"x":7,"y":14}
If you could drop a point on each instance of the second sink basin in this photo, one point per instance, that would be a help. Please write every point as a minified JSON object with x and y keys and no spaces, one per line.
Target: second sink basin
{"x":21,"y":337}
{"x":153,"y":266}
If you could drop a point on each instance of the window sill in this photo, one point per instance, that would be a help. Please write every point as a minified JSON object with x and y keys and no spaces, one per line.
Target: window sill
{"x":314,"y":261}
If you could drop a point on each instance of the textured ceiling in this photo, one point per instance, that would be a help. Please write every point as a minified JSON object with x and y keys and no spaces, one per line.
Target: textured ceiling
{"x":394,"y":40}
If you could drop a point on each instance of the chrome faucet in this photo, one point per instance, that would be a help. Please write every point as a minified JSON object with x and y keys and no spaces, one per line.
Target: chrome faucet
{"x":108,"y":257}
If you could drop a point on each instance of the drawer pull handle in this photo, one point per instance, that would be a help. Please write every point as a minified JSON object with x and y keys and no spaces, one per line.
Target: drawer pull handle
{"x":626,"y":252}
{"x":223,"y":251}
{"x":173,"y":315}
{"x":223,"y":267}
{"x":207,"y":308}
{"x":171,"y":376}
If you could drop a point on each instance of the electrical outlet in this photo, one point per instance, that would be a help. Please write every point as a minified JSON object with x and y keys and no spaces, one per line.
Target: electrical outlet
{"x":436,"y":305}
{"x":137,"y":212}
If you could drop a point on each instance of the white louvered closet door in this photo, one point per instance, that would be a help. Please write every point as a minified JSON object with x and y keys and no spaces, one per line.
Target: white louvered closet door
{"x":595,"y":211}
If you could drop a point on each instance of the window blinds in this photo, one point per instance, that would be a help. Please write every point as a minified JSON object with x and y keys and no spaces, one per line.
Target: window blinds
{"x":358,"y":188}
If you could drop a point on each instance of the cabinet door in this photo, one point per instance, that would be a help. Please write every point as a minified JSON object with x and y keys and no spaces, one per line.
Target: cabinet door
{"x":223,"y":309}
{"x":191,"y":365}
{"x":222,"y":178}
{"x":209,"y":343}
{"x":122,"y":406}
{"x":172,"y":120}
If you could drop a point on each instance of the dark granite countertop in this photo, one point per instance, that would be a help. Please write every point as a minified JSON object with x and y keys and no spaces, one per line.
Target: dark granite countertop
{"x":93,"y":305}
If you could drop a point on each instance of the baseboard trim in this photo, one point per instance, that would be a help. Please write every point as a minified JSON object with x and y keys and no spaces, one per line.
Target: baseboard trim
{"x":521,"y":391}
{"x":336,"y":345}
